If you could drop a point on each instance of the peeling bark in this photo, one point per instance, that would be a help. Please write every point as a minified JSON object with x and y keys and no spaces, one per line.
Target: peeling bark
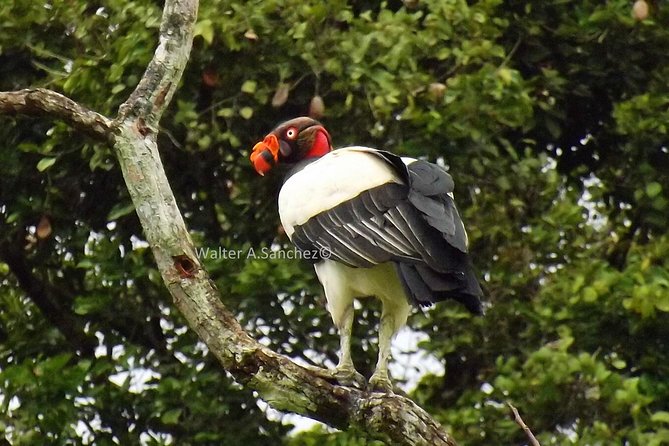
{"x":277,"y":379}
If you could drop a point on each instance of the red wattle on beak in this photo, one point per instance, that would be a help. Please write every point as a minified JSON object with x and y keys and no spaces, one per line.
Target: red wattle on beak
{"x":265,"y":154}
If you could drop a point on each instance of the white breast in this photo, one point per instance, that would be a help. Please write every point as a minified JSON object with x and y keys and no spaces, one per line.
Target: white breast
{"x":336,"y":177}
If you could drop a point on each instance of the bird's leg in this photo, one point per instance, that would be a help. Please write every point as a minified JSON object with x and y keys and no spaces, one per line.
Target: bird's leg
{"x":380,"y":380}
{"x":345,"y":371}
{"x":392,"y":319}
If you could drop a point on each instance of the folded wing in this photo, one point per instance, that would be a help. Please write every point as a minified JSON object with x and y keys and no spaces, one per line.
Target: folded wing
{"x":407,"y":217}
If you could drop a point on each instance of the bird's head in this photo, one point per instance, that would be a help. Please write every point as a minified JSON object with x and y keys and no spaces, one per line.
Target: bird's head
{"x":290,"y":142}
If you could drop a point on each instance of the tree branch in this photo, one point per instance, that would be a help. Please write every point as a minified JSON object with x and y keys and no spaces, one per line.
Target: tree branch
{"x":47,"y":103}
{"x":277,"y":379}
{"x":159,"y":82}
{"x":519,"y":421}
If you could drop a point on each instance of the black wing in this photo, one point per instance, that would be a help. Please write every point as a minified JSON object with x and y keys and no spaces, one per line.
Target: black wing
{"x":414,"y":224}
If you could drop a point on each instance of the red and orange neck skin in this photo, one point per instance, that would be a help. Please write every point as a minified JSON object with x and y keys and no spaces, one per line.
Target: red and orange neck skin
{"x":265,"y":154}
{"x":321,"y":145}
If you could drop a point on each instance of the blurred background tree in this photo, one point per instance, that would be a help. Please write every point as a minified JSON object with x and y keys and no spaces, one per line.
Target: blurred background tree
{"x":551,"y":116}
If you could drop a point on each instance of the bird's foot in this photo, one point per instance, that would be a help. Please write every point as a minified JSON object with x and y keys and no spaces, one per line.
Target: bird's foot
{"x":346,"y":376}
{"x":349,"y":376}
{"x":378,"y":383}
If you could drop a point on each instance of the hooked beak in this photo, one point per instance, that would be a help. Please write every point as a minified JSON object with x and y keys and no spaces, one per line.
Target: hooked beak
{"x":265,"y":154}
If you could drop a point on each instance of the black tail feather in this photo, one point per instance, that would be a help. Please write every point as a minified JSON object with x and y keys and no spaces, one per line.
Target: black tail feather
{"x":425,"y":286}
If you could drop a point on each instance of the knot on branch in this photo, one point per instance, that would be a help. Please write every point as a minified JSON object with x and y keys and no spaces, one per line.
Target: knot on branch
{"x":185,"y":266}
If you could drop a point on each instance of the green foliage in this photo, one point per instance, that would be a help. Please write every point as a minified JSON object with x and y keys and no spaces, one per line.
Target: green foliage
{"x":552,"y":117}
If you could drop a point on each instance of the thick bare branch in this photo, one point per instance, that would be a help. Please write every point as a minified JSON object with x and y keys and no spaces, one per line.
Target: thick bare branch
{"x":159,"y":82}
{"x":47,"y":103}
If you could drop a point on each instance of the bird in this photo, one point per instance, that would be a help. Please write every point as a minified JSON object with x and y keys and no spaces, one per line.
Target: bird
{"x":374,"y":224}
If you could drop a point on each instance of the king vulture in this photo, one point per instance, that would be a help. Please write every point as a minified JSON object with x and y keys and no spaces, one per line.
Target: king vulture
{"x":385,"y":226}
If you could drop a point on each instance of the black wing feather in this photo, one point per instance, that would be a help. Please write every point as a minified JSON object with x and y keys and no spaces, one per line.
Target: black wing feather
{"x":414,"y":224}
{"x":430,"y":189}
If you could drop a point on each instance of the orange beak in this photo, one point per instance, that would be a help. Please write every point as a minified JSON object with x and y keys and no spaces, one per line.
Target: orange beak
{"x":265,"y":154}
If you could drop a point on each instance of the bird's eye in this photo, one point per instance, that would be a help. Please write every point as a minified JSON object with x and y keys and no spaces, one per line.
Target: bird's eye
{"x":291,"y":133}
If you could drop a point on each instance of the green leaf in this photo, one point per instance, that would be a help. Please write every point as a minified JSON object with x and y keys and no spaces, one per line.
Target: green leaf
{"x":589,"y":294}
{"x":205,"y":28}
{"x":225,"y":112}
{"x":246,"y":112}
{"x":85,"y":264}
{"x":662,"y":302}
{"x":660,"y":416}
{"x":577,"y":283}
{"x":618,"y":364}
{"x":119,"y":210}
{"x":18,"y":375}
{"x":171,"y":416}
{"x":91,"y":303}
{"x":14,"y":216}
{"x":84,"y":306}
{"x":653,"y":189}
{"x":56,"y":363}
{"x":45,"y":163}
{"x":204,"y":142}
{"x":249,"y":87}
{"x":505,"y":74}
